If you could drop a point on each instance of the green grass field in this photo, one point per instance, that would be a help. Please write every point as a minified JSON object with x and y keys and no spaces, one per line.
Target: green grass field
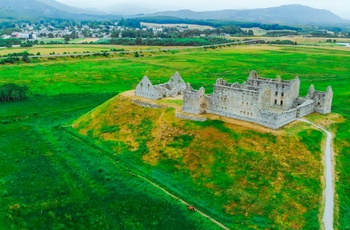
{"x":50,"y":179}
{"x":48,"y":40}
{"x":53,"y":181}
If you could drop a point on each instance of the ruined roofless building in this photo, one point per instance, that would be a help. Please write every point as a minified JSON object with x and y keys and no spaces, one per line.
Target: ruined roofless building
{"x":175,"y":86}
{"x":269,"y":102}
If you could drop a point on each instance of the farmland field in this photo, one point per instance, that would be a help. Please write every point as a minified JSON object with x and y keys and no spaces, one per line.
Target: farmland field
{"x":50,"y":178}
{"x":189,"y":26}
{"x":75,"y":48}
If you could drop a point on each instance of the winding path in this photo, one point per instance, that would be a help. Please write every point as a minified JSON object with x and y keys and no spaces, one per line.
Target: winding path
{"x":329,"y":175}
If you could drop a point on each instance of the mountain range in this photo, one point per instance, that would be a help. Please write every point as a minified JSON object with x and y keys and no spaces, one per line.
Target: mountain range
{"x":11,"y":10}
{"x":287,"y":14}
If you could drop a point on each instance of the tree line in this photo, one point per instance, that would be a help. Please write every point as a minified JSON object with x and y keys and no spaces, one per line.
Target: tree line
{"x":214,"y":23}
{"x":173,"y":32}
{"x":10,"y":42}
{"x":12,"y":92}
{"x":170,"y":41}
{"x":282,"y":42}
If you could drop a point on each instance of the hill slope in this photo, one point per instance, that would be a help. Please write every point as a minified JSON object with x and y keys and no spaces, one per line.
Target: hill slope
{"x":129,"y":9}
{"x":287,"y":14}
{"x":70,"y":9}
{"x":237,"y":174}
{"x":39,"y":9}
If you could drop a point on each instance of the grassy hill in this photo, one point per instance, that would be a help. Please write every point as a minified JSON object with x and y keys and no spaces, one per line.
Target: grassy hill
{"x":243,"y":177}
{"x":72,"y":183}
{"x":70,"y":9}
{"x":39,"y":9}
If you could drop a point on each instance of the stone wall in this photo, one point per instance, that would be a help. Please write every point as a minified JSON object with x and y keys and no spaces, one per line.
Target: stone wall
{"x":269,"y":102}
{"x":323,"y":100}
{"x":146,"y":89}
{"x":305,"y":108}
{"x":189,"y":117}
{"x":194,"y":100}
{"x":175,"y":86}
{"x":147,"y":104}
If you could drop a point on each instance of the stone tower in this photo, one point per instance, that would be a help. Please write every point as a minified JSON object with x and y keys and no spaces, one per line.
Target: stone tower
{"x":323,"y":100}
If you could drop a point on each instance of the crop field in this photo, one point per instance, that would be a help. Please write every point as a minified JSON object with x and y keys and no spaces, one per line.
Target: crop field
{"x":70,"y":48}
{"x":259,"y":32}
{"x":73,"y":41}
{"x":48,"y":40}
{"x":246,"y":178}
{"x":300,"y":39}
{"x":80,"y":48}
{"x":81,"y":40}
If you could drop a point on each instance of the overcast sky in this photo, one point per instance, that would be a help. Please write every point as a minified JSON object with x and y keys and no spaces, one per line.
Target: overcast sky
{"x":339,"y":7}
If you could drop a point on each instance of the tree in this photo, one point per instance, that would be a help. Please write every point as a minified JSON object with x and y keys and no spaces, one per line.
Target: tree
{"x":114,"y":34}
{"x":138,"y":41}
{"x":66,"y":38}
{"x":12,"y":92}
{"x":74,"y":35}
{"x":25,"y":57}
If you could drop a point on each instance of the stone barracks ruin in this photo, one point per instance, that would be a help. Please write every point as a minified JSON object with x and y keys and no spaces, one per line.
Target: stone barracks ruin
{"x":269,"y":102}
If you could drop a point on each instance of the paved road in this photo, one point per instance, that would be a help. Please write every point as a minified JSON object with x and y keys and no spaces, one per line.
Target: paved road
{"x":329,"y":175}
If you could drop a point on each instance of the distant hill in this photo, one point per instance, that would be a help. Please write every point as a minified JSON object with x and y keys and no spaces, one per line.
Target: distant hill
{"x":63,"y":7}
{"x":287,"y":14}
{"x":39,"y":9}
{"x":128,"y":9}
{"x":12,"y":10}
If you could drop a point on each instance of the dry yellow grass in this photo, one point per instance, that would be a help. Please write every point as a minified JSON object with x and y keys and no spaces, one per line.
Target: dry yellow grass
{"x":273,"y":156}
{"x":78,"y":48}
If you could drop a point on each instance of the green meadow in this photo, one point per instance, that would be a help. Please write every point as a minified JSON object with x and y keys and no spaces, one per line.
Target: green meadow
{"x":52,"y":178}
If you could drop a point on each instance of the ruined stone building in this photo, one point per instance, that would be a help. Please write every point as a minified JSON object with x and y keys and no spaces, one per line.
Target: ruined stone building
{"x":269,"y":102}
{"x":175,"y":86}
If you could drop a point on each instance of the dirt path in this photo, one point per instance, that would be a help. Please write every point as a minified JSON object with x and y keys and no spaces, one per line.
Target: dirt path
{"x":329,"y":175}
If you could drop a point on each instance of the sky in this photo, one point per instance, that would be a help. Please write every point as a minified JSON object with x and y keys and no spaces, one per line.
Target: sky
{"x":339,"y":7}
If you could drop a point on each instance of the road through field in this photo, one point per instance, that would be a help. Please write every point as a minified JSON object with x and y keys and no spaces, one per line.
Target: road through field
{"x":329,"y":175}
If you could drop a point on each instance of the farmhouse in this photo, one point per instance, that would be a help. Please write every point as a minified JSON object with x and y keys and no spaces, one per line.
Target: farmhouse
{"x":269,"y":102}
